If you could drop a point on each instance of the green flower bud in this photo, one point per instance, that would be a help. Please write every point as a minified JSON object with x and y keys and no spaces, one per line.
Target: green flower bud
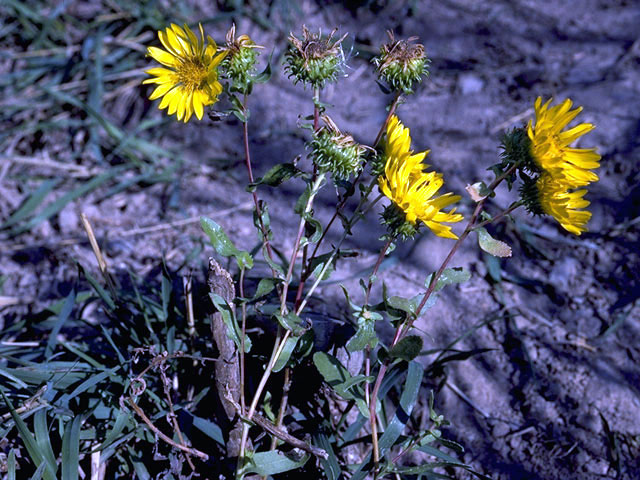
{"x":313,"y":60}
{"x":402,"y":63}
{"x":335,"y":152}
{"x":239,"y":64}
{"x":397,"y":225}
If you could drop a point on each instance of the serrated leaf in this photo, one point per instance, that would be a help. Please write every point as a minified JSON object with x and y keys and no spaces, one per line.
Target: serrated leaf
{"x":294,"y":323}
{"x":408,"y":348}
{"x":265,"y":75}
{"x":448,"y":277}
{"x":339,"y":378}
{"x":265,"y":286}
{"x":223,"y":245}
{"x":276,"y":175}
{"x":478,"y":191}
{"x":365,"y":335}
{"x":494,"y":247}
{"x":318,"y":264}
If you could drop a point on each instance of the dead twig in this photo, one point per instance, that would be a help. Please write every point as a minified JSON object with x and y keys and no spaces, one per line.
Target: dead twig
{"x":102,"y":264}
{"x":270,"y":428}
{"x":190,"y":450}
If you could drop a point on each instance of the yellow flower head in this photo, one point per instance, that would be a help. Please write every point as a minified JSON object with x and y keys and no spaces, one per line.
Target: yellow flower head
{"x":412,"y":189}
{"x":556,"y":200}
{"x":550,"y":144}
{"x":191,"y":80}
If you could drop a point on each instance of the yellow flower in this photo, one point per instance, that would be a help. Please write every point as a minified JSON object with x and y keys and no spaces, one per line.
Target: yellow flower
{"x":556,"y":200}
{"x":550,"y":144}
{"x":412,"y":189}
{"x":191,"y":80}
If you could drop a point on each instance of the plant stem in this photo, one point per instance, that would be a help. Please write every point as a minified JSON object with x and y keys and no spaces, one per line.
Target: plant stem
{"x":341,"y":204}
{"x":247,"y":161}
{"x":499,"y":216}
{"x":286,"y":386}
{"x":242,"y":339}
{"x":357,"y":215}
{"x":315,"y":186}
{"x":372,"y":399}
{"x":383,"y":252}
{"x":404,"y":327}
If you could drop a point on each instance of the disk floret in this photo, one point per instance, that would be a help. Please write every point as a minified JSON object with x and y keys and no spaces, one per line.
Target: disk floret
{"x":402,"y":63}
{"x":239,"y":64}
{"x":315,"y":60}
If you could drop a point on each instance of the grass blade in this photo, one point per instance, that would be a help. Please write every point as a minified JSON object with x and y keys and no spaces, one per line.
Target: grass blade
{"x":64,"y":315}
{"x":407,"y":402}
{"x":44,"y":442}
{"x":31,"y":203}
{"x":71,"y":449}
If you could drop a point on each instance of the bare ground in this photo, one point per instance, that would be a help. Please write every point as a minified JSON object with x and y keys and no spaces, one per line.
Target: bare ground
{"x":557,"y":396}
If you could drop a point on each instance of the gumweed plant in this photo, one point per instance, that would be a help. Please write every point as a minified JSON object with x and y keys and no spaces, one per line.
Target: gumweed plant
{"x":386,"y":176}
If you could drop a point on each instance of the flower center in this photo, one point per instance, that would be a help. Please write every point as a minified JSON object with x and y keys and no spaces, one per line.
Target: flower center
{"x":192,"y":74}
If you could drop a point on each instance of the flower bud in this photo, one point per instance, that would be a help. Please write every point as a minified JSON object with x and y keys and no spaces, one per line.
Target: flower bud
{"x":240,"y":61}
{"x":335,"y":152}
{"x":313,"y":60}
{"x":402,"y":63}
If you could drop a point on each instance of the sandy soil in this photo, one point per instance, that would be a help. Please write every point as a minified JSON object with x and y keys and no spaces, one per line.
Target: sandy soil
{"x":557,"y":396}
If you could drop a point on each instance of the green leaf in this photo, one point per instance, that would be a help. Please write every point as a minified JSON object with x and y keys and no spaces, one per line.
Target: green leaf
{"x":223,"y":245}
{"x":438,"y":454}
{"x":229,"y":318}
{"x":448,"y":277}
{"x":339,"y":378}
{"x":403,"y":413}
{"x":276,"y":175}
{"x":31,"y":203}
{"x":408,"y":348}
{"x":60,"y":203}
{"x":62,"y":318}
{"x":492,"y":246}
{"x":265,"y":286}
{"x":330,"y":465}
{"x":43,"y":439}
{"x":318,"y":263}
{"x":33,"y":449}
{"x":11,"y":465}
{"x":265,"y":75}
{"x":294,"y":323}
{"x":365,"y":335}
{"x":102,"y":293}
{"x":285,"y":355}
{"x":71,"y":449}
{"x":209,"y":428}
{"x":87,"y":384}
{"x":122,"y":419}
{"x":272,"y":463}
